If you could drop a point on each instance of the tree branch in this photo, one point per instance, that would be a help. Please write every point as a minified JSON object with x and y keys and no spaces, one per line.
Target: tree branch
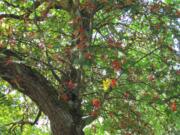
{"x":37,"y":117}
{"x":22,"y":122}
{"x":57,"y":5}
{"x":10,"y":4}
{"x":34,"y":85}
{"x":31,"y":83}
{"x":151,"y":52}
{"x":13,"y":16}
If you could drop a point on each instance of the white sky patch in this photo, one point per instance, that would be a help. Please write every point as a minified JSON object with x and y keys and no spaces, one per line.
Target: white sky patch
{"x":104,"y":72}
{"x":177,"y":46}
{"x":44,"y":124}
{"x":21,"y":99}
{"x":125,"y":19}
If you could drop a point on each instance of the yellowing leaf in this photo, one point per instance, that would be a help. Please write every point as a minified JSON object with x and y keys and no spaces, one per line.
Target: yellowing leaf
{"x":106,"y":84}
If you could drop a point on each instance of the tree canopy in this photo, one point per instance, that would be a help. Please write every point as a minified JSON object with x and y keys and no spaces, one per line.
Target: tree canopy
{"x":94,"y":67}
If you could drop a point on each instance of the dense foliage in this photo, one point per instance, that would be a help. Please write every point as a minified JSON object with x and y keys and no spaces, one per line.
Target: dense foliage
{"x":121,"y":62}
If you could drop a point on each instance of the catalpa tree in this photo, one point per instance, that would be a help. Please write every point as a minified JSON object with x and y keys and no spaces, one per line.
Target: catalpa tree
{"x":109,"y":64}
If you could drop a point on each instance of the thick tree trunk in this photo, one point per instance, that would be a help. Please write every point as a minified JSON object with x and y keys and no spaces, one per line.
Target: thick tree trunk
{"x":31,"y":83}
{"x":59,"y":127}
{"x":63,"y":124}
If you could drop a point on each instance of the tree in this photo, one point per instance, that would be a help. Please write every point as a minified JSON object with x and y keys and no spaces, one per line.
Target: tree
{"x":80,"y":60}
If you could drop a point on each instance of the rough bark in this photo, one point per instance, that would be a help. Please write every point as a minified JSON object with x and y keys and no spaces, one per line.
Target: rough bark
{"x":38,"y":88}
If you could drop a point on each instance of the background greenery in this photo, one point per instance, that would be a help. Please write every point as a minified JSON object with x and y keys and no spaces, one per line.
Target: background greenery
{"x":142,"y":36}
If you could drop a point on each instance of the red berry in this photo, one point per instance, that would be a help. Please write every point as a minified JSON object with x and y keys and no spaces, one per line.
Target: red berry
{"x":173,"y":106}
{"x":113,"y":83}
{"x":116,"y":65}
{"x":96,"y":103}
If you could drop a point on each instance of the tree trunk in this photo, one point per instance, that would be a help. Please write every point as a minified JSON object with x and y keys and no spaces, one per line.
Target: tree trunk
{"x":64,"y":126}
{"x":31,"y":83}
